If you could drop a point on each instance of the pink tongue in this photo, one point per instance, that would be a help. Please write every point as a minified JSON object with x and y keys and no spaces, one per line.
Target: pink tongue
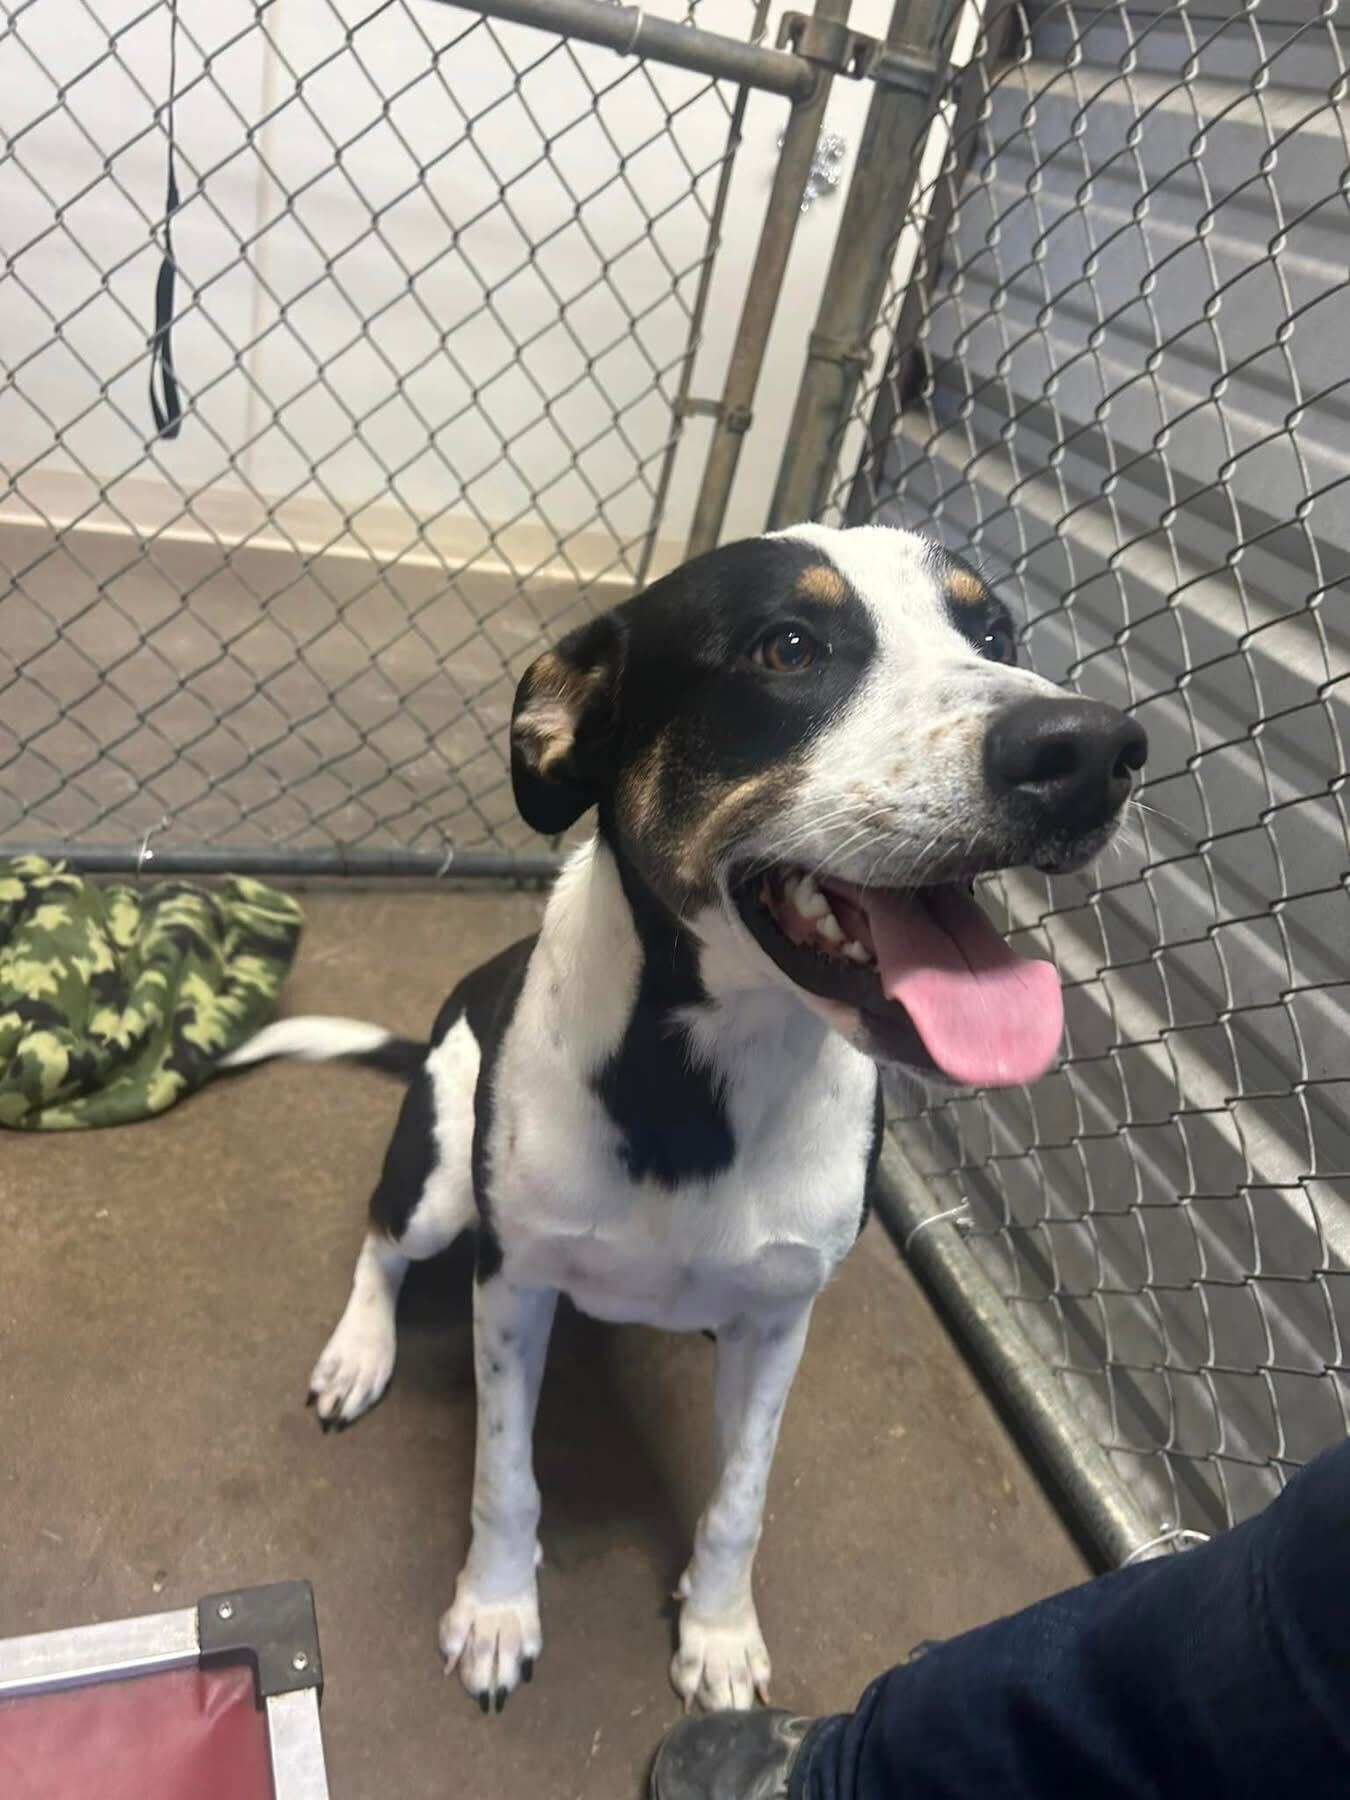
{"x":987,"y":1016}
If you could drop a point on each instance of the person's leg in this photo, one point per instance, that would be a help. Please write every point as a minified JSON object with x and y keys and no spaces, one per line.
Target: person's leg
{"x":1221,"y":1671}
{"x":1224,"y":1671}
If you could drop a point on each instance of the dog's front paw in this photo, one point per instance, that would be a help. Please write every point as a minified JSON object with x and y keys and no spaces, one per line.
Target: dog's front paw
{"x":493,"y":1645}
{"x":354,"y":1368}
{"x":721,"y":1662}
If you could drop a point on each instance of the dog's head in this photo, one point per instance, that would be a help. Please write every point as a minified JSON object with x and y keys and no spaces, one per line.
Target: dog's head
{"x":808,"y":746}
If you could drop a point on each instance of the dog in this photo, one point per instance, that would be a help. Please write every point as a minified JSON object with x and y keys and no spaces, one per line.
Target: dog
{"x":802,"y":750}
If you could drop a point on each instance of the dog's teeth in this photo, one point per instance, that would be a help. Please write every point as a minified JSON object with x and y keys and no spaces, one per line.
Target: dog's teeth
{"x":829,"y":928}
{"x":857,"y":952}
{"x":808,"y":899}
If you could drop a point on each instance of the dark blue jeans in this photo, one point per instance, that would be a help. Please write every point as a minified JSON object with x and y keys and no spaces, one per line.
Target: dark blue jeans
{"x":1223,"y":1671}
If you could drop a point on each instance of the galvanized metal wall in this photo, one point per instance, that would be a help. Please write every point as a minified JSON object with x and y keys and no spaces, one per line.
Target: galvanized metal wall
{"x":1123,"y":380}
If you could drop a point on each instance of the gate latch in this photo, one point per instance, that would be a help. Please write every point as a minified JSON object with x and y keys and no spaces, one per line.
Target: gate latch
{"x":828,"y":44}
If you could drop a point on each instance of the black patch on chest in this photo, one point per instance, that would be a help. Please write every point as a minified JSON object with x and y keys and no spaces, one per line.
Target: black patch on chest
{"x":668,"y":1109}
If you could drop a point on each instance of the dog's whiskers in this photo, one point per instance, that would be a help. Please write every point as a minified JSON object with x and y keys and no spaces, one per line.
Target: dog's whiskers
{"x":809,"y":829}
{"x":1157,"y":812}
{"x":898,"y":866}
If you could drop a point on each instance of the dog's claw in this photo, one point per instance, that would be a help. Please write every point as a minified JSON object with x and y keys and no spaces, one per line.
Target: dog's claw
{"x":494,"y":1645}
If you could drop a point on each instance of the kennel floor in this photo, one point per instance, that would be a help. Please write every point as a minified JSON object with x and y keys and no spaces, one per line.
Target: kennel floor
{"x":167,"y":1286}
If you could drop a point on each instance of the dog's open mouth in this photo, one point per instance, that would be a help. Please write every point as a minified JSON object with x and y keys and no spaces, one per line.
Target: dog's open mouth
{"x":937,"y":985}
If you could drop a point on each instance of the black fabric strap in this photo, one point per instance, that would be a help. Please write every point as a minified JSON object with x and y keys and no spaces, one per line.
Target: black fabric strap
{"x":164,"y":400}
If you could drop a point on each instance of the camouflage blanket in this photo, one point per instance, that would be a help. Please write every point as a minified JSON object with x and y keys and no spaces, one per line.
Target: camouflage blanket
{"x":115,"y":1001}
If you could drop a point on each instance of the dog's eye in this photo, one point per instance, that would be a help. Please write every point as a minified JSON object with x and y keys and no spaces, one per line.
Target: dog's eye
{"x":789,"y":650}
{"x":999,"y":645}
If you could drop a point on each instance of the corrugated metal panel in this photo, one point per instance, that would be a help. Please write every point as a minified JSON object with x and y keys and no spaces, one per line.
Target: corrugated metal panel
{"x":1135,"y":406}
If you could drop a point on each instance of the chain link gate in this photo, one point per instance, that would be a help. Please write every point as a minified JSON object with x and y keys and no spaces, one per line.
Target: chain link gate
{"x":1117,"y":367}
{"x":430,"y":286}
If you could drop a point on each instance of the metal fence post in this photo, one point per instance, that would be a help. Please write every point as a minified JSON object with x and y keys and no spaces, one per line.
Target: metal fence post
{"x":908,"y":77}
{"x":904,"y":358}
{"x":929,"y":1241}
{"x":761,"y":297}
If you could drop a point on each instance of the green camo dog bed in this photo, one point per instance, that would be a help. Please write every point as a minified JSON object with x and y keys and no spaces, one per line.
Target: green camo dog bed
{"x":115,"y":1001}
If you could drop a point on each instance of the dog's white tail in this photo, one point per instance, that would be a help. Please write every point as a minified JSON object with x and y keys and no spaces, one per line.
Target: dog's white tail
{"x":315,"y":1038}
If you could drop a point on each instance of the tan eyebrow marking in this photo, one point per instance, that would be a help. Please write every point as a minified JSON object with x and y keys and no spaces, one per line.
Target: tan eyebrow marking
{"x":821,"y":582}
{"x":964,"y":588}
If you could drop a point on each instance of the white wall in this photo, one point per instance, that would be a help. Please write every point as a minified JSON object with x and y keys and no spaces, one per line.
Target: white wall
{"x":351,"y":362}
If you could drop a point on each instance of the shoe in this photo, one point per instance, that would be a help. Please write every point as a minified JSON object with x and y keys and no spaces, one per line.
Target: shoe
{"x":729,"y":1756}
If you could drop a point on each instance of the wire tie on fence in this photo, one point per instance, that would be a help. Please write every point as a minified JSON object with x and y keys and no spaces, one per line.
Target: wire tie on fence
{"x":937,"y":1218}
{"x":145,"y":854}
{"x":822,"y":347}
{"x":446,"y":861}
{"x":1174,"y":1537}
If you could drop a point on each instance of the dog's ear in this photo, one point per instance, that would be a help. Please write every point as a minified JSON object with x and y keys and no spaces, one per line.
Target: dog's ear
{"x":564,"y":726}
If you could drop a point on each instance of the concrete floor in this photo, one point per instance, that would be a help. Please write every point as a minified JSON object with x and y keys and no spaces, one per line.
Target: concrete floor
{"x":167,"y":1286}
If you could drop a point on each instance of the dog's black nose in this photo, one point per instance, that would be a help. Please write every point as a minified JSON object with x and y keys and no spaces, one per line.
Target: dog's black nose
{"x":1072,"y":759}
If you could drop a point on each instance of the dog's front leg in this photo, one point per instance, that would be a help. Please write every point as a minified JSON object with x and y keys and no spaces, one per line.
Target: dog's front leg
{"x":491,"y":1631}
{"x":721,"y":1660}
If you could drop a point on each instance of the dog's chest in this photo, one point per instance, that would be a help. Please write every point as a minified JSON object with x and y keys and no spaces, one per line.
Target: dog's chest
{"x":767,"y":1228}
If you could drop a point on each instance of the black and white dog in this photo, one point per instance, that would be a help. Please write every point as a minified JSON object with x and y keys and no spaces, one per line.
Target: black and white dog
{"x":802,"y":750}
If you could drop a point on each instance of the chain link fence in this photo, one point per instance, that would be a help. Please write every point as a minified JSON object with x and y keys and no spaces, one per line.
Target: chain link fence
{"x":1121,"y":374}
{"x":439,"y":288}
